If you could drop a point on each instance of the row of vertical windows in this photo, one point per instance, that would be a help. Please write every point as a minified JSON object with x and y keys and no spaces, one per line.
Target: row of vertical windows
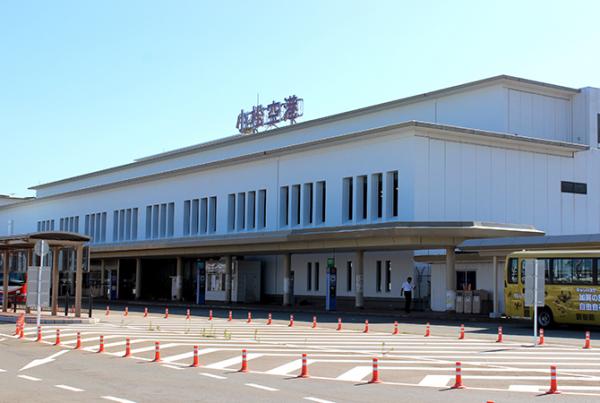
{"x":125,"y":224}
{"x":303,"y":204}
{"x":379,"y":285}
{"x":199,"y":216}
{"x":95,"y":226}
{"x":312,"y":278}
{"x":45,"y":225}
{"x":69,"y":224}
{"x":356,"y":203}
{"x":247,"y":210}
{"x":160,"y":220}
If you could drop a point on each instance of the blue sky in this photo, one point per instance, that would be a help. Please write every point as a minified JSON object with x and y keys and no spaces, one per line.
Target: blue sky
{"x":87,"y":85}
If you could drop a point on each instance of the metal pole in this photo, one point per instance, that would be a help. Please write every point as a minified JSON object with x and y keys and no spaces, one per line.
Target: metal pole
{"x":535,"y":297}
{"x":39,"y":285}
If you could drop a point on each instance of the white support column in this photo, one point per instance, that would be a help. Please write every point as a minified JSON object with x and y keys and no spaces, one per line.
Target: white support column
{"x":78,"y":279}
{"x":178,"y":279}
{"x":495,"y":312}
{"x":228,"y":279}
{"x":138,"y":277}
{"x":287,"y":279}
{"x":359,"y":280}
{"x":450,"y":277}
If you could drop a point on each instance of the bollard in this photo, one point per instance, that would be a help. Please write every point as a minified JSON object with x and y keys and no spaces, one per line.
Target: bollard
{"x":366,"y":330}
{"x":156,"y":351}
{"x":588,"y":343}
{"x":244,"y":367}
{"x":210,"y":315}
{"x":166,"y":313}
{"x":126,"y":311}
{"x":461,"y":335}
{"x":78,"y":342}
{"x":396,"y":331}
{"x":127,"y":348}
{"x":17,"y":329}
{"x":22,"y":332}
{"x":39,"y":334}
{"x":458,"y":382}
{"x":187,"y":314}
{"x":249,"y":317}
{"x":314,"y":323}
{"x":541,"y":340}
{"x":427,"y":330}
{"x":107,"y":310}
{"x":499,"y":339}
{"x":339,"y":325}
{"x":553,"y":381}
{"x":57,"y":342}
{"x":291,"y":324}
{"x":375,"y":376}
{"x":195,"y":362}
{"x":145,"y":312}
{"x":230,"y":316}
{"x":304,"y":371}
{"x":269,"y":319}
{"x":101,"y":347}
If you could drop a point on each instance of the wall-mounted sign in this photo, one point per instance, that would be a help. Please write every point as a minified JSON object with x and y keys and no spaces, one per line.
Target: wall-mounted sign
{"x":270,"y":115}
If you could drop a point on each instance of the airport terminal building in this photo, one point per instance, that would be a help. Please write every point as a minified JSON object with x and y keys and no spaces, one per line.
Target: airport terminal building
{"x":439,"y":186}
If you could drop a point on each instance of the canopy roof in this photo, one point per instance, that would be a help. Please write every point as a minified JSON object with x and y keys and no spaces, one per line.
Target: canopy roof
{"x":54,"y":238}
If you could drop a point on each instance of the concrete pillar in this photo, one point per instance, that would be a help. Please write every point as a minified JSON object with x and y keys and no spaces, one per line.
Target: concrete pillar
{"x":5,"y":281}
{"x":78,"y":279}
{"x":450,"y":269}
{"x":102,"y":288}
{"x":227,"y":279}
{"x":138,"y":278}
{"x":118,"y":282}
{"x":359,"y":280}
{"x":54,"y":297}
{"x":287,"y":279}
{"x":178,"y":278}
{"x":495,"y":274}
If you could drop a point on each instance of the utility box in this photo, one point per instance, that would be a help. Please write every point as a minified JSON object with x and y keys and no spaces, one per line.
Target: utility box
{"x":468,"y":301}
{"x":479,"y":299}
{"x":247,"y":279}
{"x":460,"y":301}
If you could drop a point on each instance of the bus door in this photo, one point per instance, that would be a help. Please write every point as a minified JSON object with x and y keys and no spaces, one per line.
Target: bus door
{"x":513,"y":289}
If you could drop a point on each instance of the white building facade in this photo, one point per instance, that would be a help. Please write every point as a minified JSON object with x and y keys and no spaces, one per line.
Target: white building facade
{"x":501,"y":150}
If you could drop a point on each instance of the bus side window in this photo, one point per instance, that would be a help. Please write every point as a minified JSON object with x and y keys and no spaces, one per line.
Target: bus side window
{"x":513,"y":271}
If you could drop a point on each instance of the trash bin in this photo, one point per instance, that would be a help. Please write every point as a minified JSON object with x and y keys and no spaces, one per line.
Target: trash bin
{"x":450,"y":300}
{"x":468,"y":302}
{"x":460,"y":301}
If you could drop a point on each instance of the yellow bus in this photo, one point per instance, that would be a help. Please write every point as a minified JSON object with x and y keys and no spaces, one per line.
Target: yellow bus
{"x":571,"y":290}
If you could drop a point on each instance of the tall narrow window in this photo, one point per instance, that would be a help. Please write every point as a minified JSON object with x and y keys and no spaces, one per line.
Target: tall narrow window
{"x":295,"y":205}
{"x":262,"y":208}
{"x":348,"y":199}
{"x":194,"y":224}
{"x":378,"y":276}
{"x":349,"y":275}
{"x":187,"y":213}
{"x":213,"y":214}
{"x":163,"y":220}
{"x":231,"y":212}
{"x":395,"y":194}
{"x":307,"y":202}
{"x":241,"y":211}
{"x":284,"y":195}
{"x":148,"y":222}
{"x":128,"y":224}
{"x":309,"y":276}
{"x":364,"y":186}
{"x":388,"y":276}
{"x":171,"y":219}
{"x":379,"y":195}
{"x":204,"y":215}
{"x":134,"y":224}
{"x":116,"y":226}
{"x":598,"y":127}
{"x":316,"y":276}
{"x":251,"y":210}
{"x":155,"y":212}
{"x":321,"y":202}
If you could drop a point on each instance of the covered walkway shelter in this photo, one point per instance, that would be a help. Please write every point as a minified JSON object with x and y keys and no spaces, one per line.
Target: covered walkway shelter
{"x":57,"y":241}
{"x":357,"y":239}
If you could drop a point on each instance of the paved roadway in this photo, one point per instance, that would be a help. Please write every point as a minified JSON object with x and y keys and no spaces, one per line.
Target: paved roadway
{"x":412,"y":367}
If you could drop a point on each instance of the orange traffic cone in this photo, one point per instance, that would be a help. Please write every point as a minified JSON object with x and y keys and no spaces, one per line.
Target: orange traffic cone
{"x":291,"y":324}
{"x":269,"y":319}
{"x":230,"y":316}
{"x":458,"y":384}
{"x":396,"y":331}
{"x":195,"y":362}
{"x":339,"y":325}
{"x":366,"y":330}
{"x":499,"y":339}
{"x":461,"y":335}
{"x":57,"y":342}
{"x":78,"y":342}
{"x":375,"y":376}
{"x":156,"y":351}
{"x":427,"y":330}
{"x":314,"y":322}
{"x":145,"y":312}
{"x":126,"y":311}
{"x":166,"y":313}
{"x":107,"y":310}
{"x":588,"y":343}
{"x":187,"y":314}
{"x":304,"y":372}
{"x":127,"y":348}
{"x":249,"y":317}
{"x":541,"y":339}
{"x":244,"y":367}
{"x":39,"y":334}
{"x":101,"y":347}
{"x":553,"y":381}
{"x":22,"y":332}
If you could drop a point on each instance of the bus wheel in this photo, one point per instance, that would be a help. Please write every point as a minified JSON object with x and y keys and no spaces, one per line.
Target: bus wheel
{"x":545,"y":317}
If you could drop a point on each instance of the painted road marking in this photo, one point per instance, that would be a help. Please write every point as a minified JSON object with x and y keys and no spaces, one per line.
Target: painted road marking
{"x":286,"y":368}
{"x":525,"y":388}
{"x":67,"y":387}
{"x":257,"y":386}
{"x":43,"y":361}
{"x":172,"y":366}
{"x":2,"y":370}
{"x":189,"y":354}
{"x":356,"y":374}
{"x":212,"y":375}
{"x":233,"y":361}
{"x":316,"y":399}
{"x":117,"y":399}
{"x":152,"y":348}
{"x":437,"y":381}
{"x":29,"y":378}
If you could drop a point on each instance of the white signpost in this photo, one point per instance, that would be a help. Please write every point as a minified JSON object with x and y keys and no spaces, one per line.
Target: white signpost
{"x":535,"y":280}
{"x":39,"y":280}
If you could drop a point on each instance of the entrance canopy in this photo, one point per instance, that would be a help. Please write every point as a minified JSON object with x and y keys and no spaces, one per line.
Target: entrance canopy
{"x":56,"y":241}
{"x":385,"y":236}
